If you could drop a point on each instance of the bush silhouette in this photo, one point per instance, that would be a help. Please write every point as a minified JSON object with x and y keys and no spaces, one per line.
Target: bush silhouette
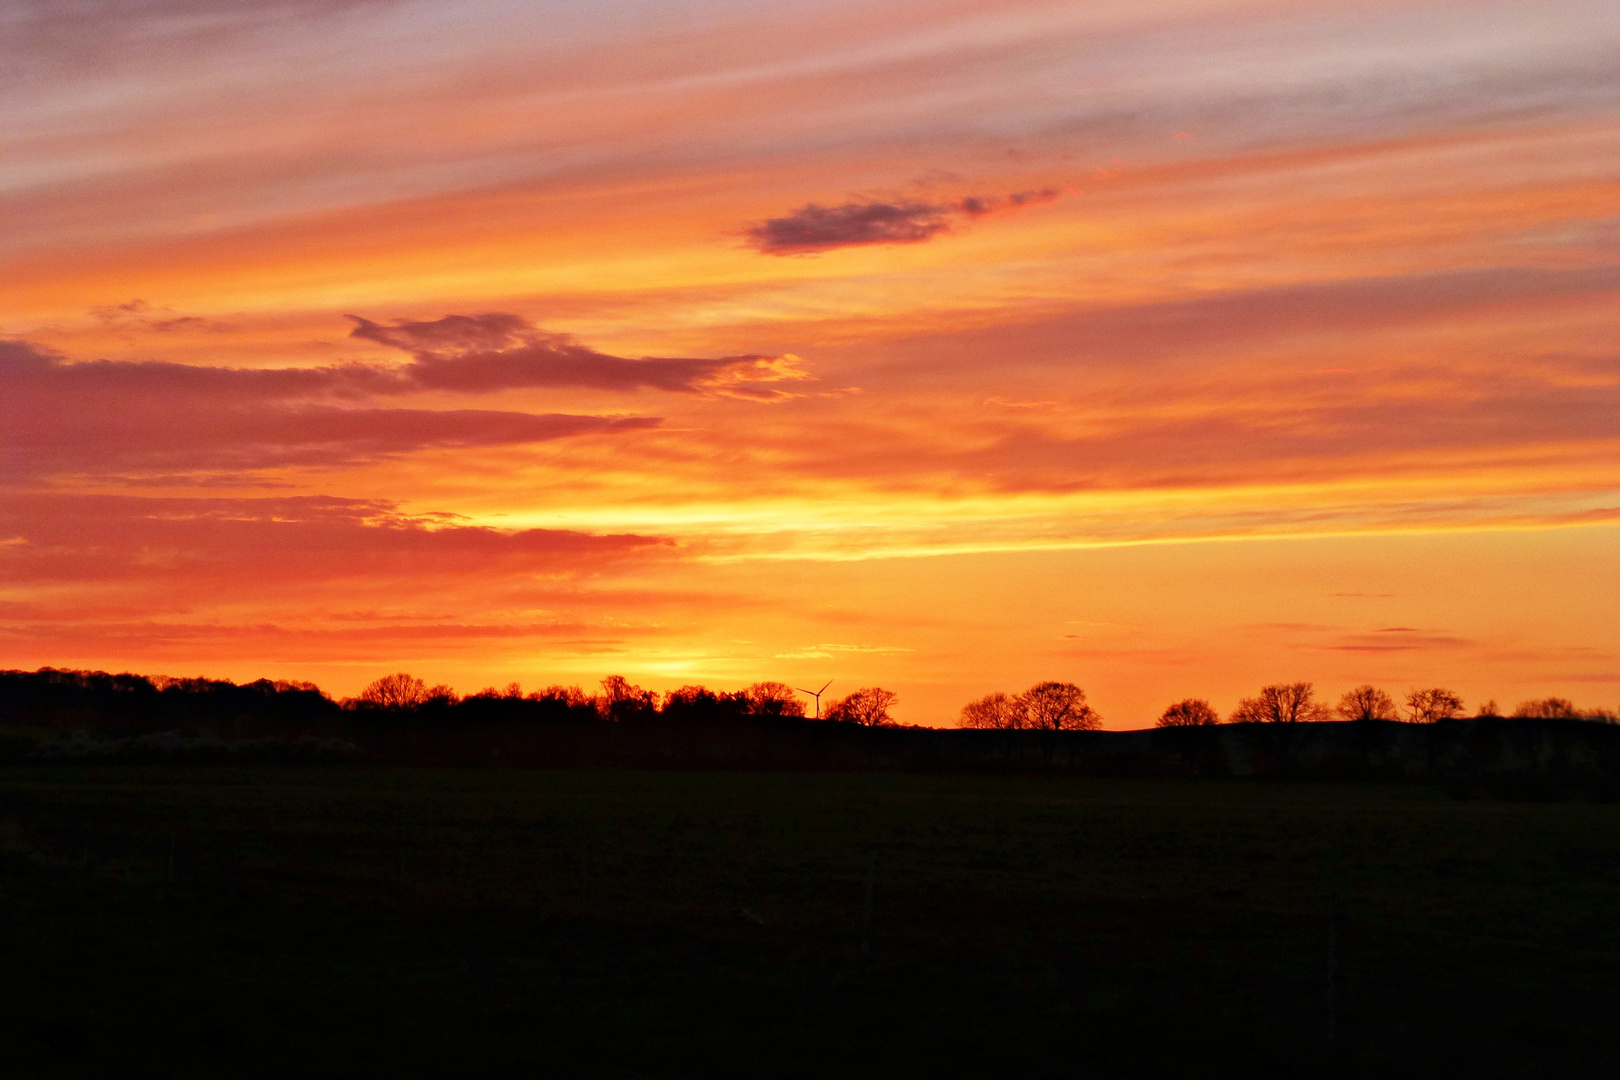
{"x":1552,"y":708}
{"x":1191,"y":712}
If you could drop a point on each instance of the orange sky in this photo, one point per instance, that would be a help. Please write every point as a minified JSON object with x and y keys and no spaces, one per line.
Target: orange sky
{"x":1166,"y":348}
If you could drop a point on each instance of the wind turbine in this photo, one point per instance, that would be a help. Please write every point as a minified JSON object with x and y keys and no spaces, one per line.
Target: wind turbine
{"x":816,"y":694}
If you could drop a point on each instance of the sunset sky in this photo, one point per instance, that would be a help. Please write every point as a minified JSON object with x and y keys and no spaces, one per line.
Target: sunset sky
{"x":1168,"y":348}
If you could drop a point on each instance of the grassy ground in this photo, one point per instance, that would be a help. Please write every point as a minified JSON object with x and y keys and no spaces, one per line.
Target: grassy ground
{"x":641,"y":923}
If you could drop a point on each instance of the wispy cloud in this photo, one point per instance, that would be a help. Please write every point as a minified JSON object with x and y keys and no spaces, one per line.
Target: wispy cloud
{"x":814,"y":228}
{"x":1399,"y":639}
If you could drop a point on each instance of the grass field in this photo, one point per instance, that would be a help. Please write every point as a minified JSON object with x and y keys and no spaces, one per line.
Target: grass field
{"x":280,"y":919}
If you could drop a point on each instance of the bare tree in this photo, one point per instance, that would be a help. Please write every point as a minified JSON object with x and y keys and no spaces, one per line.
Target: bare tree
{"x":868,"y":706}
{"x":1435,"y":703}
{"x":623,"y":700}
{"x":1192,"y":712}
{"x":1553,"y":708}
{"x":1367,"y":703}
{"x":1000,"y":711}
{"x":1281,"y":703}
{"x":1058,"y":706}
{"x":773,"y":699}
{"x":398,"y":691}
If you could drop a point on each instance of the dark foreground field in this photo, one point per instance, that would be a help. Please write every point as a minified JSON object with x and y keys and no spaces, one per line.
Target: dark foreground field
{"x":329,"y":919}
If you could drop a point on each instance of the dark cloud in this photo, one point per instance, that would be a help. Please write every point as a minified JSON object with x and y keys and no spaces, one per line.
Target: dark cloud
{"x":112,"y":419}
{"x":497,"y":351}
{"x":813,"y":227}
{"x":139,"y":417}
{"x":980,"y":205}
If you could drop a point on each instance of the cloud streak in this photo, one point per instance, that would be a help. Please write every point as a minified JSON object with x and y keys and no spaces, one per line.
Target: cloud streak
{"x":814,"y":228}
{"x":108,"y":418}
{"x":198,"y":543}
{"x":497,"y":351}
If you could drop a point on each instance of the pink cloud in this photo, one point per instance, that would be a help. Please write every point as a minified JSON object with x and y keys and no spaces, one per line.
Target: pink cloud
{"x":497,"y":351}
{"x":275,"y":542}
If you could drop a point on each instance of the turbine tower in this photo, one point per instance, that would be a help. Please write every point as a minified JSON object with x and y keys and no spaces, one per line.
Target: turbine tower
{"x":816,"y":694}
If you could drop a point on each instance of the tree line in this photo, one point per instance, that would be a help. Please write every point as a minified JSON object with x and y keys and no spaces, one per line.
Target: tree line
{"x":621,"y":701}
{"x":1061,"y":706}
{"x":1291,"y":703}
{"x":74,"y":697}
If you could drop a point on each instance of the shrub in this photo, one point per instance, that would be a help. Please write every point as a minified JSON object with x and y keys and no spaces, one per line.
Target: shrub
{"x":1191,"y":712}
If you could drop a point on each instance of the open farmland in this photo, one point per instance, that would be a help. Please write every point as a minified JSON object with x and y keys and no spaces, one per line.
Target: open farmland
{"x":742,"y":924}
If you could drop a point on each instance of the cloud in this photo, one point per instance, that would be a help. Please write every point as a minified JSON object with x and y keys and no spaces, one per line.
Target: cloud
{"x":138,"y":315}
{"x":1188,"y":330}
{"x":272,"y":542}
{"x":813,"y":228}
{"x":119,"y":417}
{"x":112,"y":419}
{"x":1407,"y":639}
{"x":979,"y":205}
{"x":313,"y":578}
{"x":498,"y":351}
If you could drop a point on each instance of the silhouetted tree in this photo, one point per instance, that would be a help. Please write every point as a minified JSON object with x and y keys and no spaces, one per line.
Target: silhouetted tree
{"x":699,"y":703}
{"x":1488,"y":708}
{"x":509,"y":692}
{"x":773,"y":699}
{"x":868,"y":706}
{"x":1553,"y":708}
{"x":1058,"y":706}
{"x":1435,"y":703}
{"x":1000,"y":711}
{"x":570,"y":696}
{"x":562,"y":703}
{"x":622,"y":700}
{"x":399,"y":691}
{"x":1193,"y":712}
{"x":1281,"y":703}
{"x":1367,"y":703}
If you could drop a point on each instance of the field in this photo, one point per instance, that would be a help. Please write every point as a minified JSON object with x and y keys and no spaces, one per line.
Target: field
{"x":640,"y":923}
